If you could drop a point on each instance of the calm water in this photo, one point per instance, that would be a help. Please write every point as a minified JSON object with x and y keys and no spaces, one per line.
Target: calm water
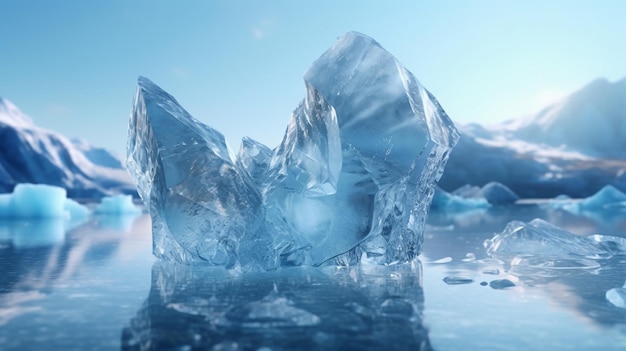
{"x":96,"y":286}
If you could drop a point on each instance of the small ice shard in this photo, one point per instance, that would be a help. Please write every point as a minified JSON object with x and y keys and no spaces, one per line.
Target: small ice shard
{"x":445,"y":201}
{"x":457,"y":280}
{"x":39,"y":201}
{"x":617,"y":296}
{"x":494,"y":192}
{"x":539,"y":244}
{"x":501,"y":284}
{"x":492,"y":271}
{"x":117,"y":205}
{"x":352,"y":178}
{"x":469,"y":257}
{"x":254,"y":159}
{"x":443,"y":260}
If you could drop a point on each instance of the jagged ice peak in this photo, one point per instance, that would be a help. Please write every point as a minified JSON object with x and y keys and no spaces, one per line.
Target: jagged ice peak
{"x":351,"y":181}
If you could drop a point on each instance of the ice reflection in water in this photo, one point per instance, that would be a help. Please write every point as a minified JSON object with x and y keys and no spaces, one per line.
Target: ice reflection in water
{"x":360,"y":308}
{"x":37,"y":254}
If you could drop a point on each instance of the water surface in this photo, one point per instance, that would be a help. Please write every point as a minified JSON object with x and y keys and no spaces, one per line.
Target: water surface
{"x":96,"y":286}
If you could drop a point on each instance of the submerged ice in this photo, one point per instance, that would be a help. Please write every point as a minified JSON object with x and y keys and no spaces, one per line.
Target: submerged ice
{"x":352,"y":178}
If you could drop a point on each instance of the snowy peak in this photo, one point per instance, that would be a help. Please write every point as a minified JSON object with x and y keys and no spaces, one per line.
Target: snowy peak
{"x":30,"y":154}
{"x":591,"y":121}
{"x":574,"y":146}
{"x":11,"y":115}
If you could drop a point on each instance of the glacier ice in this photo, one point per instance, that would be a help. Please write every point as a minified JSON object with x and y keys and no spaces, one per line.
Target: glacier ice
{"x":352,"y":178}
{"x":35,"y":215}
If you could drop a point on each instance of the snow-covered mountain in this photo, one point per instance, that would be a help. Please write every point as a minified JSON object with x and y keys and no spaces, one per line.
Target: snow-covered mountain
{"x":30,"y":154}
{"x":590,"y":121}
{"x":574,"y":146}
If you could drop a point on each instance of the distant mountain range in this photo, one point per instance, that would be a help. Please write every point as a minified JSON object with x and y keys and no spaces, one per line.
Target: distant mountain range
{"x":574,"y":146}
{"x":30,"y":154}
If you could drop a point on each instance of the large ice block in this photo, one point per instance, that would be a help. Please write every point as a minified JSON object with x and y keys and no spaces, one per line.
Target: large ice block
{"x":352,"y":179}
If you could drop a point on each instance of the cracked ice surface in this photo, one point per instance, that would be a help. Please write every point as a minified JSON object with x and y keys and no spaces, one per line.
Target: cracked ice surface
{"x":352,"y":179}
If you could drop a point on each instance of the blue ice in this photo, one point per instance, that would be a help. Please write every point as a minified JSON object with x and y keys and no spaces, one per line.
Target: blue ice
{"x":39,"y":201}
{"x":445,"y":201}
{"x":117,"y":205}
{"x":607,"y":198}
{"x":351,"y":180}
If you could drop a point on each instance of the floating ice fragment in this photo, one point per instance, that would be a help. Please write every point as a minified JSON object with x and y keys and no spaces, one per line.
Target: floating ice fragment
{"x":469,"y":257}
{"x":117,"y":205}
{"x":617,"y":296}
{"x":29,"y":201}
{"x":541,"y":245}
{"x":607,"y":198}
{"x":539,"y":237}
{"x":501,"y":284}
{"x":457,"y":280}
{"x":443,"y":260}
{"x":352,"y":178}
{"x":494,"y":192}
{"x":445,"y":201}
{"x":492,"y":271}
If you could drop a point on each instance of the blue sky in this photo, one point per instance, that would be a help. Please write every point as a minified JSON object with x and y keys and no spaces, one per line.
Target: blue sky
{"x":238,"y":65}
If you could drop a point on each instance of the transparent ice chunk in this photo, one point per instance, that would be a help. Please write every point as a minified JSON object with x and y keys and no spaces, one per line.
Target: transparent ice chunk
{"x":200,"y":204}
{"x":352,"y":178}
{"x":454,"y":280}
{"x":254,"y":159}
{"x":539,"y":245}
{"x":617,"y":296}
